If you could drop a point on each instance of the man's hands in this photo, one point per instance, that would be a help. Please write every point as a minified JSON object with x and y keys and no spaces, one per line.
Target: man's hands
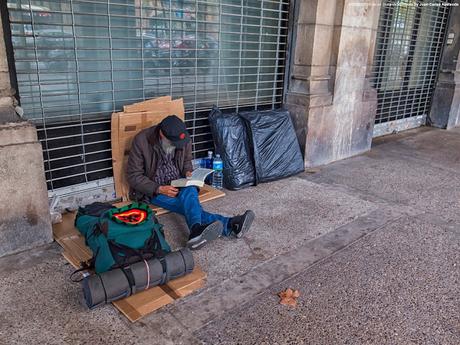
{"x":168,"y":191}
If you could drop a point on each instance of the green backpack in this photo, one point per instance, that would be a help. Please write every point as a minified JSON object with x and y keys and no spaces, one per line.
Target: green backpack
{"x":121,"y":236}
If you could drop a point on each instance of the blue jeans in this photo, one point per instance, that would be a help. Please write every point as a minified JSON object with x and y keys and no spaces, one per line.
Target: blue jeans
{"x":187,"y":204}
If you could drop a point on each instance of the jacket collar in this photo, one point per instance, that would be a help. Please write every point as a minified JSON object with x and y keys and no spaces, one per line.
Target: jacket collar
{"x":153,"y":136}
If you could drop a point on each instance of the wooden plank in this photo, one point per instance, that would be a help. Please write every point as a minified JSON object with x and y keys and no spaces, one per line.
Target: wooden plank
{"x":77,"y":248}
{"x":127,"y":310}
{"x":185,"y":285}
{"x":136,"y":306}
{"x":190,"y":288}
{"x":207,"y":193}
{"x":66,"y":228}
{"x":145,"y":105}
{"x":74,"y":262}
{"x":142,"y":303}
{"x":117,"y":164}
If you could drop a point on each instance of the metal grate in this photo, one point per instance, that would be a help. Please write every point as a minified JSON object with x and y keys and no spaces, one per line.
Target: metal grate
{"x":78,"y":61}
{"x":409,"y":44}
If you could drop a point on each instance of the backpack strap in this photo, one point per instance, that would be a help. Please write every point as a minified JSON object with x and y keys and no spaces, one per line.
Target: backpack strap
{"x":153,"y":243}
{"x":85,"y":266}
{"x":164,"y":265}
{"x":130,"y":277}
{"x":128,"y":253}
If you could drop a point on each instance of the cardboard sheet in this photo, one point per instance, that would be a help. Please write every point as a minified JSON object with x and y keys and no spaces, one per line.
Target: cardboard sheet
{"x":125,"y":125}
{"x":145,"y":105}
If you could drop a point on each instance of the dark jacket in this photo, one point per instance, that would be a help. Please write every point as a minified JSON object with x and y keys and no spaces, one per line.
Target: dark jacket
{"x":142,"y":163}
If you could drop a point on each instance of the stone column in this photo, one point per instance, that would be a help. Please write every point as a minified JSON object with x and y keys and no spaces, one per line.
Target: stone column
{"x":445,"y":109}
{"x":24,"y":213}
{"x":329,"y":95}
{"x":7,"y":112}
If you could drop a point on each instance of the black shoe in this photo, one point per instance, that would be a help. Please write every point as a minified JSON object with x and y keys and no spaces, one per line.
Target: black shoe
{"x":202,"y":234}
{"x":241,"y":224}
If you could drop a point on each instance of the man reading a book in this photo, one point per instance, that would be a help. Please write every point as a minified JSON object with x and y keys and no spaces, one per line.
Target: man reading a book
{"x":161,"y":154}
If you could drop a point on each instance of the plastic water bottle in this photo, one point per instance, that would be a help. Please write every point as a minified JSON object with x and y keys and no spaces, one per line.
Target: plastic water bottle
{"x":197,"y":163}
{"x":207,"y":163}
{"x":208,"y":160}
{"x":218,"y":175}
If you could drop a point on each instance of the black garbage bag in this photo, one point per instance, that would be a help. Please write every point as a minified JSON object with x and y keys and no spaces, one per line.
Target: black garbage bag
{"x":232,"y":143}
{"x":274,"y":145}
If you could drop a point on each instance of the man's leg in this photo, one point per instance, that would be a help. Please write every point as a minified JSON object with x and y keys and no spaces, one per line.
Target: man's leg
{"x":172,"y":204}
{"x":188,"y":205}
{"x":200,"y":232}
{"x":193,"y":208}
{"x":207,"y":217}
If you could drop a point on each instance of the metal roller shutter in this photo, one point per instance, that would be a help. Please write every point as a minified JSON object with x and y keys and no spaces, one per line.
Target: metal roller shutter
{"x":78,"y":61}
{"x":409,"y":44}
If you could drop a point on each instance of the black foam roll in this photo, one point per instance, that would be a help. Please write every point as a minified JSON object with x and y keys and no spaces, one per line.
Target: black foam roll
{"x":178,"y":264}
{"x":115,"y":284}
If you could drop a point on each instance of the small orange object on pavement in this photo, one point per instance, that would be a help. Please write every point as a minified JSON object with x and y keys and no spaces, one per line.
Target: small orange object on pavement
{"x":289,"y":297}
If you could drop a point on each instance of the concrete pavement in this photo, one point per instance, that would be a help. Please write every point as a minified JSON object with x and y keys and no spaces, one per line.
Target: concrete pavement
{"x":371,"y":242}
{"x":399,"y":284}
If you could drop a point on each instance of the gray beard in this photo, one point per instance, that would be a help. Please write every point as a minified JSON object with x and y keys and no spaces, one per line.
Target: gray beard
{"x":167,"y":147}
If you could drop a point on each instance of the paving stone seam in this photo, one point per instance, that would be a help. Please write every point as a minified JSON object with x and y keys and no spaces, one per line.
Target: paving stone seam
{"x":163,"y":327}
{"x":365,"y":196}
{"x":435,"y":219}
{"x":425,"y":160}
{"x":351,"y":191}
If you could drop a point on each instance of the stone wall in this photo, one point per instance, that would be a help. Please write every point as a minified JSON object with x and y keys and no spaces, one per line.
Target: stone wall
{"x":4,"y":74}
{"x":329,"y":95}
{"x":24,"y":212}
{"x":445,"y":110}
{"x":7,"y":102}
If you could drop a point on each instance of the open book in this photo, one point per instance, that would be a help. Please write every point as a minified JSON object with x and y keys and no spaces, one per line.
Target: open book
{"x":197,"y":178}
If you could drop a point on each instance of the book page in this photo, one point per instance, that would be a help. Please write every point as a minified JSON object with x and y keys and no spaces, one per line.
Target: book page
{"x":200,"y":174}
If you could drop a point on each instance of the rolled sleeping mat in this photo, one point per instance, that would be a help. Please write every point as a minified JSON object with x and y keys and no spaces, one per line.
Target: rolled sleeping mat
{"x":120,"y":283}
{"x":177,"y":263}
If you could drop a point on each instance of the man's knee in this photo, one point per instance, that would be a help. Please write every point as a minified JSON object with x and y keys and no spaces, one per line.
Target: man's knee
{"x":189,"y":191}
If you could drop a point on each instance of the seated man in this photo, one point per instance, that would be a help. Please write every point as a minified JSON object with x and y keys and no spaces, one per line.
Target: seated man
{"x":163,"y":153}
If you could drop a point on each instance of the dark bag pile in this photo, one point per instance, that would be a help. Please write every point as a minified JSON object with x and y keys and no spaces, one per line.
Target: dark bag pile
{"x":232,"y":143}
{"x":255,"y":146}
{"x":130,"y":252}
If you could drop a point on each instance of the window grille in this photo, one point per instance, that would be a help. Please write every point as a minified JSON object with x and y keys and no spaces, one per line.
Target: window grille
{"x":409,"y":44}
{"x":78,"y":61}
